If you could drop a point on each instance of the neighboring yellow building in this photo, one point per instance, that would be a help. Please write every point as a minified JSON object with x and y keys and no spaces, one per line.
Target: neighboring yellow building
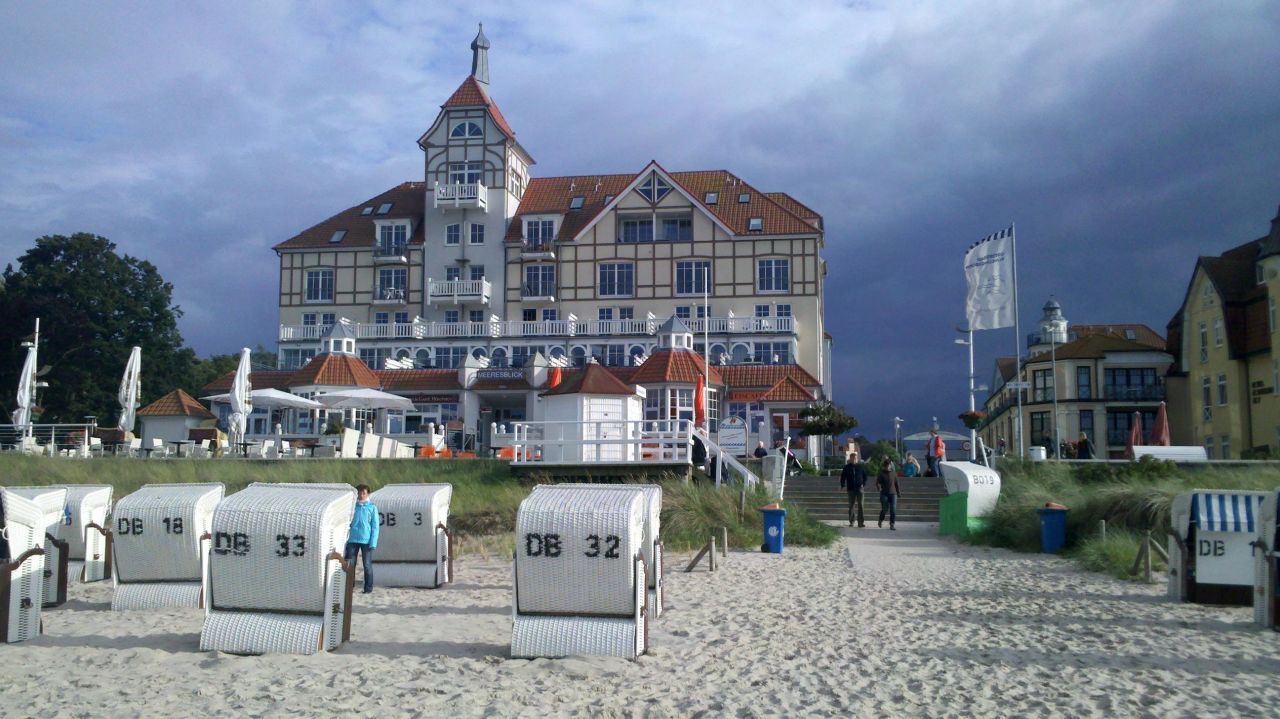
{"x":1226,"y":370}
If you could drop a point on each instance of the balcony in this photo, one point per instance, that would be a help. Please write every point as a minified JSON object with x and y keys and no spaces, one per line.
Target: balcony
{"x":389,"y":296}
{"x":459,"y":291}
{"x":741,"y":325}
{"x":537,"y":250}
{"x":539,"y":292}
{"x":391,"y":253}
{"x":537,"y":329}
{"x":461,"y":196}
{"x":1147,"y":393}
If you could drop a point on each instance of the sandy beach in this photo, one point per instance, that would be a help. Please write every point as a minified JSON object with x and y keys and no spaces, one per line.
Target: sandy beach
{"x":881,"y":624}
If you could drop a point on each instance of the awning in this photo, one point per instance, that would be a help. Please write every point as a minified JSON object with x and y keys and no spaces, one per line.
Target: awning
{"x":1225,"y":512}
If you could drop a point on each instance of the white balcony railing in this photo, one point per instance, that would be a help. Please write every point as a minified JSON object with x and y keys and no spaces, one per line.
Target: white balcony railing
{"x":389,"y":295}
{"x":544,"y":328}
{"x":393,"y":252}
{"x":459,"y":291}
{"x":462,"y":195}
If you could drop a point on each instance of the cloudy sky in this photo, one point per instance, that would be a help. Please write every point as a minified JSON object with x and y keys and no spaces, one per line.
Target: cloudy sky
{"x":1124,"y":139}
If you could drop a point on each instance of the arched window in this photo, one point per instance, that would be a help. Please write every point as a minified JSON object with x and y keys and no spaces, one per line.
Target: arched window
{"x":478,"y":353}
{"x":579,"y":355}
{"x":498,"y":358}
{"x":466,"y":129}
{"x":636,"y":352}
{"x":422,"y":359}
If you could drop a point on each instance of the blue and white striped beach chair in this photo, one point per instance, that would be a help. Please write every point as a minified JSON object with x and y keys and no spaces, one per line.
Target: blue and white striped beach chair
{"x":1211,"y":545}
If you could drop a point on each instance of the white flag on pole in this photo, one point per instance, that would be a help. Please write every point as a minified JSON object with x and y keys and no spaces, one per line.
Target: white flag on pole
{"x":988,"y":268}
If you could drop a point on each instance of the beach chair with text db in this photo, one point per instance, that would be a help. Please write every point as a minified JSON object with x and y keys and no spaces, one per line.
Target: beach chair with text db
{"x":87,"y":534}
{"x":53,"y":504}
{"x":652,"y":547}
{"x":159,"y":546}
{"x":1211,"y":544}
{"x":277,"y":581}
{"x":415,"y":547}
{"x":22,"y":571}
{"x":580,"y":584}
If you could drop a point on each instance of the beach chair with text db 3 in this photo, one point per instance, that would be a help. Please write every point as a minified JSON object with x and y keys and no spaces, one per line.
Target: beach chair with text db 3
{"x":88,"y":537}
{"x":22,"y":571}
{"x":580,"y":584}
{"x":159,"y":545}
{"x":415,"y":547}
{"x":1211,"y":543}
{"x":53,"y":504}
{"x":277,"y":581}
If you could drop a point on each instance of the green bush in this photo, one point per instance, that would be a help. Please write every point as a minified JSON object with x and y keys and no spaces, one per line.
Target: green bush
{"x":692,"y":513}
{"x":1115,"y":554}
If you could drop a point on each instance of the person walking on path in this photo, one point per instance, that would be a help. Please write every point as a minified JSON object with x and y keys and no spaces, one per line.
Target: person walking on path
{"x":363,"y":537}
{"x":852,"y":479}
{"x":887,"y":483}
{"x":935,"y":452}
{"x":1084,"y":448}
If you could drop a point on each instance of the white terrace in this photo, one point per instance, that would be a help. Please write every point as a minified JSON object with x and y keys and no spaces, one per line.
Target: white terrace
{"x":570,"y":327}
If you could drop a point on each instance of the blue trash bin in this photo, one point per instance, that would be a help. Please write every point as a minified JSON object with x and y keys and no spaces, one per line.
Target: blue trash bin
{"x":775,"y":521}
{"x":1053,"y":529}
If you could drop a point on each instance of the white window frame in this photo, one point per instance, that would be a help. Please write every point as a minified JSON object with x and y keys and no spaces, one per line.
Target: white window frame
{"x":619,"y":270}
{"x":453,"y":234}
{"x":690,"y":274}
{"x":780,"y":273}
{"x":1217,"y":332}
{"x":477,"y":230}
{"x":467,"y":127}
{"x":470,"y":172}
{"x":320,"y":296}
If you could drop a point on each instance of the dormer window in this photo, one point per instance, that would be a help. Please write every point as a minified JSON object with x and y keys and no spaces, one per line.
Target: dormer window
{"x":654,"y":188}
{"x":744,"y":198}
{"x":466,"y":129}
{"x":576,"y":202}
{"x":755,"y":224}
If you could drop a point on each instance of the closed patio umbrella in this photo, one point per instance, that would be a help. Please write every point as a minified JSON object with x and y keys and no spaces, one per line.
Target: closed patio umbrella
{"x":554,"y":377}
{"x":130,"y":388}
{"x":1160,"y":427}
{"x":700,"y":403}
{"x":241,"y":399}
{"x":1135,"y":435}
{"x":26,"y":390}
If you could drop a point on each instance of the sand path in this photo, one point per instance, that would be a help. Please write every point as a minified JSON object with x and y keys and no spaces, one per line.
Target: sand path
{"x":882,"y":624}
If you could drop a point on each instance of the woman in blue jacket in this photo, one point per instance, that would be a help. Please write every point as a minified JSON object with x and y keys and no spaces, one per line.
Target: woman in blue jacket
{"x":363,"y":537}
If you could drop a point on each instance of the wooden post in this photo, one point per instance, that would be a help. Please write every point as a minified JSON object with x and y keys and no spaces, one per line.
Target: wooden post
{"x":724,"y":541}
{"x":1137,"y":561}
{"x":712,"y":556}
{"x":698,"y":557}
{"x":1102,"y":529}
{"x":1146,"y":554}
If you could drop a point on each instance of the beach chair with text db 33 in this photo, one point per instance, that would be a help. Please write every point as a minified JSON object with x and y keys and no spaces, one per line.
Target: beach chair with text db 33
{"x":88,"y":537}
{"x":22,"y":571}
{"x":415,"y":547}
{"x":53,"y":504}
{"x":1211,"y":544}
{"x":580,"y":584}
{"x":159,"y":546}
{"x":277,"y":581}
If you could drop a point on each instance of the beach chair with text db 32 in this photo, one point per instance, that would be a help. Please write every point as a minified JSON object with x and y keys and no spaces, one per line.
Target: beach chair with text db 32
{"x":277,"y":581}
{"x":1211,"y":544}
{"x":88,"y":537}
{"x":159,"y":545}
{"x":415,"y":547}
{"x":53,"y":504}
{"x":580,"y":584}
{"x":652,"y":547}
{"x":22,"y":571}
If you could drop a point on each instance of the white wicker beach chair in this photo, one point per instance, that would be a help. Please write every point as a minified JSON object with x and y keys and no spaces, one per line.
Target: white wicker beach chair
{"x":278,"y":582}
{"x":350,"y":444}
{"x":53,"y":503}
{"x":652,"y":547}
{"x":1266,"y":566}
{"x":580,"y":584}
{"x":1212,"y":542}
{"x":415,"y":546}
{"x":87,"y":534}
{"x":160,"y":545}
{"x":22,"y":572}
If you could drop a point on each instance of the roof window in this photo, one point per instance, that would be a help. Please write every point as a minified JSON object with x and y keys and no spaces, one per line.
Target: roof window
{"x":608,"y":199}
{"x":576,"y":202}
{"x":338,"y":235}
{"x":366,"y":212}
{"x":1130,"y":334}
{"x":755,"y":224}
{"x":744,"y":198}
{"x":711,"y":198}
{"x":384,"y":208}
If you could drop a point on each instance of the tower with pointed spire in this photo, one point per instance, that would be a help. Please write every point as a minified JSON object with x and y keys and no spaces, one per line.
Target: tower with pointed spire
{"x":480,"y":57}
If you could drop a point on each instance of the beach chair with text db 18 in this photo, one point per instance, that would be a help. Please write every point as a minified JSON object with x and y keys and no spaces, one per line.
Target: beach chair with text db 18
{"x":159,"y":546}
{"x":88,"y":537}
{"x":277,"y":580}
{"x":22,"y":571}
{"x":53,"y":504}
{"x":414,"y":543}
{"x":1266,"y":566}
{"x":580,"y":584}
{"x":652,"y":547}
{"x":1211,"y":543}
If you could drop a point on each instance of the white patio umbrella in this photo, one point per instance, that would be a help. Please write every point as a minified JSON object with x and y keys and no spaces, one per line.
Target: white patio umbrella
{"x":241,"y":399}
{"x":26,"y":390}
{"x":130,"y":386}
{"x":270,"y":397}
{"x":363,"y":398}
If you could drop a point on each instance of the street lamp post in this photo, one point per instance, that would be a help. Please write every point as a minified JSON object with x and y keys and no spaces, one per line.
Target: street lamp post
{"x":897,"y":432}
{"x":973,"y":432}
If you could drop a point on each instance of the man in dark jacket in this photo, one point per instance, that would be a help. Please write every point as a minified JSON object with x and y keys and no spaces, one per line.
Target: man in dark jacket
{"x":852,"y":479}
{"x":887,"y":483}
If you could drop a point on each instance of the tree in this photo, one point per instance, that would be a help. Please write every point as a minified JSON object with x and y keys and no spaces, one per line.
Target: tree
{"x":212,"y":367}
{"x":94,"y":305}
{"x":827,"y":419}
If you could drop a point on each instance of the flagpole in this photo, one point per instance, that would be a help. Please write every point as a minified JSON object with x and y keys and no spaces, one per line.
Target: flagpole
{"x":1017,"y":346}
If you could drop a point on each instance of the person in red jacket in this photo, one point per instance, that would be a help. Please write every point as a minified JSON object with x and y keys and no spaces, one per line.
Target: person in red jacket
{"x":935,"y":451}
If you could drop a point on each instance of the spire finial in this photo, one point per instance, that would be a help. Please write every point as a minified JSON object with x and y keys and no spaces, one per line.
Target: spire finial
{"x":480,"y":57}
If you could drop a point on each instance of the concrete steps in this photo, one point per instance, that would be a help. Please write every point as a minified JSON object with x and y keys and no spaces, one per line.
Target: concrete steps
{"x":823,"y":498}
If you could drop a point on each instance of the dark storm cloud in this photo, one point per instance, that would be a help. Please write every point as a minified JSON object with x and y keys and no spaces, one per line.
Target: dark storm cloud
{"x":1123,"y":139}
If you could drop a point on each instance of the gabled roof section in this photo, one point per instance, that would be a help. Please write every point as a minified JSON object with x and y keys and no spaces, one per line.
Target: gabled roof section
{"x":1095,"y":347}
{"x":765,"y":376}
{"x":1007,"y":367}
{"x":335,"y":370}
{"x":259,"y":378}
{"x":792,"y":205}
{"x":592,"y":379}
{"x":471,"y":94}
{"x":551,"y":195}
{"x":679,"y":366}
{"x":176,"y":404}
{"x":1142,"y":334}
{"x":787,"y":390}
{"x":639,"y":177}
{"x":418,"y":380}
{"x":407,"y":201}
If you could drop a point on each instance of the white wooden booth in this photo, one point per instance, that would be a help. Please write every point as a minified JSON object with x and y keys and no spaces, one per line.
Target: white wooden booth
{"x":580,"y":578}
{"x":87,"y":533}
{"x":160,"y":544}
{"x":22,"y":574}
{"x":277,"y":581}
{"x":53,"y":503}
{"x":1211,"y":545}
{"x":415,"y":547}
{"x":592,"y":418}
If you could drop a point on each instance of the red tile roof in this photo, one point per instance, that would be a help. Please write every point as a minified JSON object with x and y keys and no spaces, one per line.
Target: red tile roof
{"x":794,"y":207}
{"x":471,"y":93}
{"x":407,"y":200}
{"x":674,"y":366}
{"x":787,"y":390}
{"x":418,"y":380}
{"x":1142,"y":334}
{"x":546,"y":195}
{"x":765,"y":376}
{"x":260,"y":379}
{"x":593,"y":379}
{"x":176,"y":404}
{"x":1093,"y":347}
{"x":335,"y":370}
